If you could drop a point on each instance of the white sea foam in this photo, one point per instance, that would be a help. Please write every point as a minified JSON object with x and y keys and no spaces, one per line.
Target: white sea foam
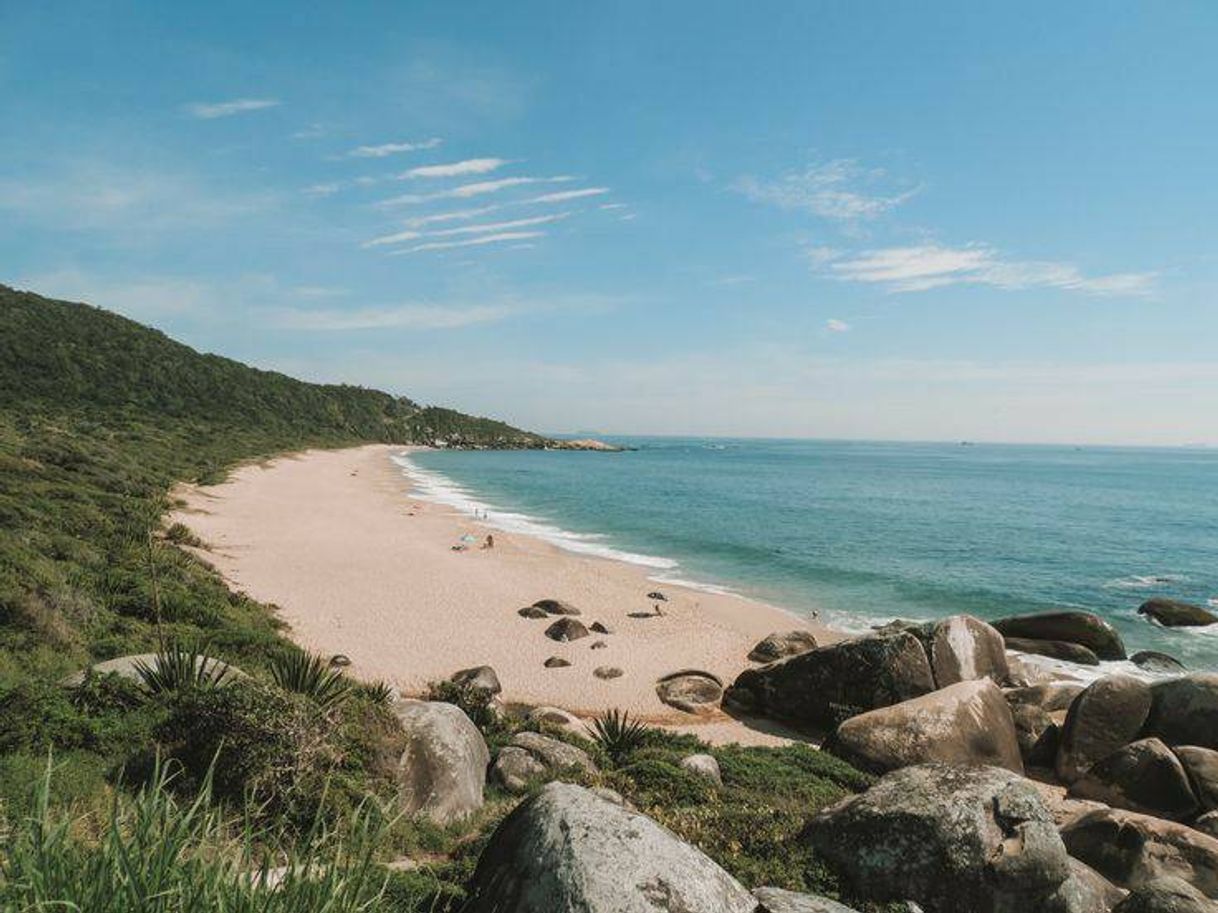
{"x":438,"y":488}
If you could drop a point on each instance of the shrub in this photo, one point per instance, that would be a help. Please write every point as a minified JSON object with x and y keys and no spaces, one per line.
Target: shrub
{"x":179,"y":669}
{"x":307,"y":674}
{"x":618,"y":735}
{"x":180,"y":534}
{"x":651,"y":782}
{"x":477,"y":703}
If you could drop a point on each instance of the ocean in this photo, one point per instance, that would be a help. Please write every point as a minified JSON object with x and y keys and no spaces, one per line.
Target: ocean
{"x":863,"y":532}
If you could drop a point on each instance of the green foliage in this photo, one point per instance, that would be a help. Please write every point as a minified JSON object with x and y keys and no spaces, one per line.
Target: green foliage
{"x":179,"y":668}
{"x":160,"y":855}
{"x":617,"y":735}
{"x":380,"y":693}
{"x":478,"y":703}
{"x":310,"y":675}
{"x":652,"y":782}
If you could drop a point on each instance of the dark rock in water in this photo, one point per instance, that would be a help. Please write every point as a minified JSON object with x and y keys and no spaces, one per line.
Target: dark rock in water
{"x":566,"y":629}
{"x":531,"y":611}
{"x":340,"y":660}
{"x":599,"y":628}
{"x":1166,"y":895}
{"x":556,"y":662}
{"x":1130,"y":849}
{"x":1107,"y":714}
{"x":782,"y":644}
{"x":1171,"y":613}
{"x":607,"y":672}
{"x":1037,"y":734}
{"x":965,"y":723}
{"x":1049,"y":696}
{"x":835,"y":682}
{"x":1143,"y":776}
{"x":1054,"y":649}
{"x":951,"y":838}
{"x":1085,"y":628}
{"x":481,"y":677}
{"x":555,"y":607}
{"x":777,"y":900}
{"x":691,"y":690}
{"x":568,"y":849}
{"x":1160,"y":663}
{"x":1184,"y":710}
{"x":1201,"y":765}
{"x":961,"y":648}
{"x":657,"y":596}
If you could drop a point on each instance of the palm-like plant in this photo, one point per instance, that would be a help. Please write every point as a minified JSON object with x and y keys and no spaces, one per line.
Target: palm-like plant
{"x":617,"y":734}
{"x":180,"y":668}
{"x":380,"y":693}
{"x":310,"y":675}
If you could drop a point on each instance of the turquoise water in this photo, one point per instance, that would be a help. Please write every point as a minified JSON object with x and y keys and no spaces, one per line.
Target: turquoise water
{"x":866,"y":532}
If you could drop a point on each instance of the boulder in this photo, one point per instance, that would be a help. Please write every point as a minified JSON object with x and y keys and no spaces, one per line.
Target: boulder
{"x":1107,"y":714}
{"x":1159,"y":663}
{"x":482,"y":678}
{"x":1184,"y":710}
{"x":776,"y":900}
{"x":782,"y":644}
{"x":1172,"y":613}
{"x":556,"y":607}
{"x":1049,"y":696}
{"x":567,"y":849}
{"x":691,"y":690}
{"x":1201,"y":765}
{"x":554,"y":716}
{"x":1166,"y":895}
{"x":599,"y":628}
{"x":607,"y":672}
{"x":566,"y":629}
{"x":1084,"y":628}
{"x":443,"y":768}
{"x":1037,"y":733}
{"x":1208,"y":824}
{"x":951,"y":838}
{"x":962,"y":648}
{"x":556,"y":662}
{"x":1143,"y":776}
{"x":554,"y":754}
{"x":1131,"y":849}
{"x":340,"y":660}
{"x":127,"y":667}
{"x":1094,"y":893}
{"x":704,"y":766}
{"x":1054,"y":649}
{"x":515,"y":769}
{"x":532,"y":612}
{"x":598,"y":645}
{"x":838,"y":681}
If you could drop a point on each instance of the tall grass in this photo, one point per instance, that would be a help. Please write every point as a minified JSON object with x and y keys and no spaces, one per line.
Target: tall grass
{"x":157,"y":854}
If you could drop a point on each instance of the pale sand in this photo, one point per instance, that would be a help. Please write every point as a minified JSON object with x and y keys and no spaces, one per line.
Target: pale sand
{"x":359,"y":567}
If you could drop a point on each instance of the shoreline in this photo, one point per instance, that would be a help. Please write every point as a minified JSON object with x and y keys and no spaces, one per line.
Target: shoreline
{"x":357,"y":565}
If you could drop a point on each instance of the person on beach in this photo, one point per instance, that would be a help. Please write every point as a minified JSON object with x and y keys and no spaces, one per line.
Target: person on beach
{"x":490,"y":541}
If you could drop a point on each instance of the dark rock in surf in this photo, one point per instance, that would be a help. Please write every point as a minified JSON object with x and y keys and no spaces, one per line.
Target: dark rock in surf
{"x":1172,"y":613}
{"x":1158,"y":663}
{"x":1054,"y":649}
{"x":1085,"y":628}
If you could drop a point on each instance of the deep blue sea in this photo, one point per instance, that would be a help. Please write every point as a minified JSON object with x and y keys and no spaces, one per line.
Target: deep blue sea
{"x":866,"y":532}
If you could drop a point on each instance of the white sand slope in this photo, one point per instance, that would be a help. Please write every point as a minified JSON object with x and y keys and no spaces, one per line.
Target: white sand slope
{"x":359,"y":567}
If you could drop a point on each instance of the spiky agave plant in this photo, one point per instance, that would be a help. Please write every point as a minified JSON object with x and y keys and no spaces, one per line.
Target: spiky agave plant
{"x":617,"y":734}
{"x":181,"y":668}
{"x":310,"y":675}
{"x":380,"y":693}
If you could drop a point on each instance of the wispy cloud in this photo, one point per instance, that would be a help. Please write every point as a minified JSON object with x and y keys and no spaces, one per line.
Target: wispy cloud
{"x":455,"y":169}
{"x":930,"y":266}
{"x":387,"y":149}
{"x":833,"y":325}
{"x":840,"y":190}
{"x":480,"y":188}
{"x":473,"y":242}
{"x":455,"y":215}
{"x":612,"y":206}
{"x":212,"y":110}
{"x":483,"y":228}
{"x":406,"y":316}
{"x":562,"y":196}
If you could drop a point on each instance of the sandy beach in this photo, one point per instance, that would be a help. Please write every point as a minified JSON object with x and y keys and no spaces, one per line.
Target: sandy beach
{"x":357,"y":566}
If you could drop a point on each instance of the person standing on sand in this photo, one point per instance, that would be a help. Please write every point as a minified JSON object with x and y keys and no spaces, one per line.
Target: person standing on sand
{"x":490,"y":541}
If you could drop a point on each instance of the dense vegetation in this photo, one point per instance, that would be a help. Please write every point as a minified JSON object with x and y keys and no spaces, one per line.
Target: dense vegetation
{"x":181,"y":790}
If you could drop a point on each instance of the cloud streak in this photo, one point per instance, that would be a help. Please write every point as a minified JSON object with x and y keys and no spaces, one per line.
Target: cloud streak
{"x":473,"y":242}
{"x":924,"y":267}
{"x":466,"y":191}
{"x":484,"y":228}
{"x":839,"y":190}
{"x":213,"y":110}
{"x":387,"y":149}
{"x":455,"y":169}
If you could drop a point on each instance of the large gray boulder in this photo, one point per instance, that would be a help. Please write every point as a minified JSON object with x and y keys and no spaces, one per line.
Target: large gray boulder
{"x":554,"y":754}
{"x":965,"y":723}
{"x":835,"y":682}
{"x":1143,"y":776}
{"x":566,"y":850}
{"x":515,"y":769}
{"x":962,"y":648}
{"x":128,"y":667}
{"x":1201,"y":765}
{"x":953,"y":839}
{"x":1084,"y":628}
{"x":1166,"y":895}
{"x":1107,"y":714}
{"x":1184,"y":710}
{"x":691,"y":690}
{"x":1131,"y":849}
{"x":1172,"y":613}
{"x":1050,"y":696}
{"x":442,"y":770}
{"x":782,"y":644}
{"x":776,"y":900}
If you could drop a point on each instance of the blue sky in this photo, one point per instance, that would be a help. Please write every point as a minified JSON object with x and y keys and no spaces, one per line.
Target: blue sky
{"x":931,"y":221}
